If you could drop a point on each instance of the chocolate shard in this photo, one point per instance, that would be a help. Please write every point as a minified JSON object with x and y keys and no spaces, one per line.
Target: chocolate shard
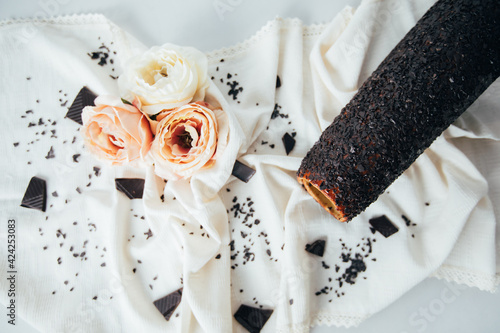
{"x":317,"y":248}
{"x":253,"y":319}
{"x":278,"y":81}
{"x":288,"y":142}
{"x":84,"y":98}
{"x":242,"y":172}
{"x":383,"y":225}
{"x":169,"y":303}
{"x":131,"y":187}
{"x":35,"y":196}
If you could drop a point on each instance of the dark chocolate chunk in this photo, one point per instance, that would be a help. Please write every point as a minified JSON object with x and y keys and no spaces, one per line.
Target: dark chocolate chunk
{"x":169,"y":303}
{"x":317,"y":248}
{"x":76,"y":158}
{"x":278,"y":81}
{"x":288,"y":142}
{"x":253,"y":319}
{"x":148,"y":234}
{"x":84,"y":98}
{"x":383,"y":225}
{"x":242,"y":172}
{"x":36,"y":194}
{"x":131,"y":187}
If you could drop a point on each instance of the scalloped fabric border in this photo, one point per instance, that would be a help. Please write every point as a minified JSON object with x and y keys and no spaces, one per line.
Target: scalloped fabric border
{"x":271,"y":25}
{"x":92,"y":18}
{"x":63,"y":19}
{"x":483,"y":281}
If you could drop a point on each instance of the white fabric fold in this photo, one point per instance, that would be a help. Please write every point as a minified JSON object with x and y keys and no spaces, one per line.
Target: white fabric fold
{"x":96,"y":260}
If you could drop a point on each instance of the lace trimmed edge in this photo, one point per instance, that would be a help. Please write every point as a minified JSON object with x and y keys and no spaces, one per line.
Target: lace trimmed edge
{"x":482,"y":281}
{"x":64,"y":19}
{"x":325,"y":319}
{"x":276,"y":23}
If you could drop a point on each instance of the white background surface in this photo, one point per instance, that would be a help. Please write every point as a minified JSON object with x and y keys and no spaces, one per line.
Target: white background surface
{"x":433,"y":306}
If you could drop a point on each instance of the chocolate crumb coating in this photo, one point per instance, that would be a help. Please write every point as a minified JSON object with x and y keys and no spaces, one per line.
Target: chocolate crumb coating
{"x":425,"y":83}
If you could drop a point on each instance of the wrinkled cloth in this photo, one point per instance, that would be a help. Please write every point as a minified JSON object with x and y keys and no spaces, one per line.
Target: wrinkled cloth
{"x":96,"y":261}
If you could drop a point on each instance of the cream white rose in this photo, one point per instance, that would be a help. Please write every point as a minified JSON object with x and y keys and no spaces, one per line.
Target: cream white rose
{"x":165,"y":77}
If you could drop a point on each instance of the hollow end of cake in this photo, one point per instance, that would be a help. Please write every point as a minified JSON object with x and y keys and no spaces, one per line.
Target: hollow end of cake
{"x":322,"y":199}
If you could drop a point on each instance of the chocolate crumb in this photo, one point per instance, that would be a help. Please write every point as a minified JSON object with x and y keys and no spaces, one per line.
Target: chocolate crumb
{"x":50,"y":154}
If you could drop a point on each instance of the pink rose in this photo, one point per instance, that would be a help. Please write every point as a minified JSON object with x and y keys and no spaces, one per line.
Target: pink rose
{"x":115,"y":131}
{"x":186,"y":141}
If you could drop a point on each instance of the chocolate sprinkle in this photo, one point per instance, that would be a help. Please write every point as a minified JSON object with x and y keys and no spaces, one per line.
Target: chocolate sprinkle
{"x":253,"y":319}
{"x":84,"y":98}
{"x":50,"y":154}
{"x":383,"y":225}
{"x":288,"y":142}
{"x":131,"y":187}
{"x":35,"y":196}
{"x":278,"y":81}
{"x":169,"y":303}
{"x":317,"y":248}
{"x":242,"y":172}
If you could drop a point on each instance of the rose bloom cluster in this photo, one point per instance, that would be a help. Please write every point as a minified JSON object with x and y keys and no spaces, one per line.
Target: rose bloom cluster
{"x":161,"y":115}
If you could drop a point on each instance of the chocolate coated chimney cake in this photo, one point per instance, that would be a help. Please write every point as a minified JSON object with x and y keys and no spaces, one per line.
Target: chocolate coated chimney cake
{"x":425,"y":83}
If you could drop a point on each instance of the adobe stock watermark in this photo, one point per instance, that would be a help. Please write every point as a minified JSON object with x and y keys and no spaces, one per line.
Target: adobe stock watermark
{"x":31,"y":29}
{"x":378,"y":19}
{"x":295,"y":279}
{"x":425,"y":315}
{"x":88,"y":310}
{"x":222,"y":7}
